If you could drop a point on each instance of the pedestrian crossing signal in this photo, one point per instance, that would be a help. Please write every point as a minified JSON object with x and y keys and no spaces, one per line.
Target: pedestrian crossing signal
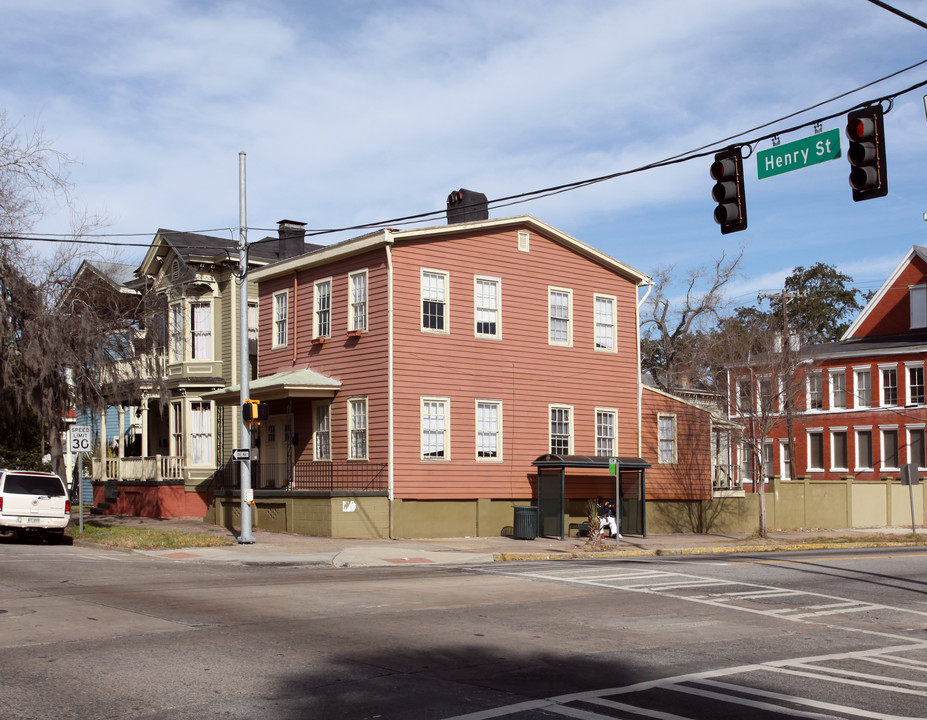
{"x":254,"y":411}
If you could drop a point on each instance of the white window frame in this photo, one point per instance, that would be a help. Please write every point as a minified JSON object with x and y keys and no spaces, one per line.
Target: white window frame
{"x":882,"y":385}
{"x":427,"y":293}
{"x":917,"y":295}
{"x":857,"y":431}
{"x":568,"y":409}
{"x":322,"y":431}
{"x":481,"y":310}
{"x":832,"y":393}
{"x":761,"y":406}
{"x":281,"y":311}
{"x":322,"y":315}
{"x":920,"y":429}
{"x":358,"y":428}
{"x":857,"y":372}
{"x":818,"y":432}
{"x":745,"y":462}
{"x":606,"y":324}
{"x":672,"y":457}
{"x":253,"y":322}
{"x":358,"y":310}
{"x":814,"y":392}
{"x":524,"y":241}
{"x":175,"y":332}
{"x":488,"y":430}
{"x":177,"y":444}
{"x":201,"y":317}
{"x":551,"y":319}
{"x":202,"y":438}
{"x":834,"y":466}
{"x":743,"y":391}
{"x":909,"y":368}
{"x":883,"y":430}
{"x":600,"y":437}
{"x":435,"y":429}
{"x":785,"y":464}
{"x":768,"y":464}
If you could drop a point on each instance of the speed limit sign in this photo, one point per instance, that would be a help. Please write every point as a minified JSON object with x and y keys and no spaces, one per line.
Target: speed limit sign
{"x":80,"y":438}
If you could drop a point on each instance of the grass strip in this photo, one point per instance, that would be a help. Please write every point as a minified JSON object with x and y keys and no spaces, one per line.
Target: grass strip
{"x":133,"y":538}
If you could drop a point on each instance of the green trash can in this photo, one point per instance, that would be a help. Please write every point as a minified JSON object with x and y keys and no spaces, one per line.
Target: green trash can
{"x":525,"y":526}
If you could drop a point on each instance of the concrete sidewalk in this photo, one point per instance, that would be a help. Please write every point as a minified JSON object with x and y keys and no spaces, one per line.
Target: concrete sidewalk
{"x":274,"y":548}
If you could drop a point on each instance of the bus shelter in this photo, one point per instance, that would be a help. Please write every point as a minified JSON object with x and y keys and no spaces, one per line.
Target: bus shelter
{"x":630,"y":490}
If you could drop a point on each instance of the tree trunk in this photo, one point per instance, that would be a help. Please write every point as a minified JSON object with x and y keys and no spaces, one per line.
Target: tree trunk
{"x":56,"y":451}
{"x":762,"y":499}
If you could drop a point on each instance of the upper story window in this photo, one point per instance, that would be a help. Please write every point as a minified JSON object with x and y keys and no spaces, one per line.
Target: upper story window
{"x":434,"y":301}
{"x":863,"y":392}
{"x":605,"y":431}
{"x":322,"y":317}
{"x":815,"y":391}
{"x":176,"y":332}
{"x":486,"y":300}
{"x":435,"y":444}
{"x":917,"y":294}
{"x":666,"y":437}
{"x":889,"y":385}
{"x":560,"y":316}
{"x":358,"y":311}
{"x":915,"y":384}
{"x":281,"y":309}
{"x":561,"y":429}
{"x":766,"y":395}
{"x":201,"y":330}
{"x":838,"y":389}
{"x":744,"y":396}
{"x":252,"y":328}
{"x":605,"y":323}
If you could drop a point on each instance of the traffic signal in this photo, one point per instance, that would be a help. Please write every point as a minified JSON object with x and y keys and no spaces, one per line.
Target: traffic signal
{"x":867,"y":153}
{"x":254,"y":411}
{"x":728,"y":172}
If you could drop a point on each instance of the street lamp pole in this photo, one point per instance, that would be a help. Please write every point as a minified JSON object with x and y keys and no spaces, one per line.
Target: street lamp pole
{"x":247,"y":494}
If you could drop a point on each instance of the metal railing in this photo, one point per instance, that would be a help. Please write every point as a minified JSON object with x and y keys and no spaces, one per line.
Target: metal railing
{"x":154,"y":467}
{"x":329,"y":476}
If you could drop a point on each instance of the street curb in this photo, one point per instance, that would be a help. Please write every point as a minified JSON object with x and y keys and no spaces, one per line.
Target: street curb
{"x":578,"y":555}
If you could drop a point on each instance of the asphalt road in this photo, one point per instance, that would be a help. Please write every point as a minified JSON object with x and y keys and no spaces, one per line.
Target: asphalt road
{"x":88,"y":633}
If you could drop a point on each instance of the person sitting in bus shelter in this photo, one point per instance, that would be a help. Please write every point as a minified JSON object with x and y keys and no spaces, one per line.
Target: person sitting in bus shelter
{"x":607,"y":517}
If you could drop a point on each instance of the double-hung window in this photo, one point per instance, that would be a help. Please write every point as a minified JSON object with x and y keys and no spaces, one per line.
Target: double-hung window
{"x":322,"y":447}
{"x":435,"y":441}
{"x":785,"y":460}
{"x":486,"y":300}
{"x":358,"y":309}
{"x":488,"y":430}
{"x":561,"y":429}
{"x":560,"y":316}
{"x":838,"y":449}
{"x":744,"y":397}
{"x":666,"y":437}
{"x":605,"y":323}
{"x":606,"y":431}
{"x":917,"y":451}
{"x":816,"y":449}
{"x":917,"y":295}
{"x":322,"y":317}
{"x":889,"y":447}
{"x":863,"y":393}
{"x":864,"y":448}
{"x":889,"y":385}
{"x":176,"y":332}
{"x":201,"y":433}
{"x":434,"y":301}
{"x":252,"y":328}
{"x":766,"y":395}
{"x":815,"y":391}
{"x":357,"y":428}
{"x":838,"y":389}
{"x":281,"y":308}
{"x":201,"y":330}
{"x":177,"y":429}
{"x":915,"y":383}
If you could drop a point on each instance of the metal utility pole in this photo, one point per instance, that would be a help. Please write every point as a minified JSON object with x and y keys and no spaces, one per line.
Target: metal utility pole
{"x":247,"y":494}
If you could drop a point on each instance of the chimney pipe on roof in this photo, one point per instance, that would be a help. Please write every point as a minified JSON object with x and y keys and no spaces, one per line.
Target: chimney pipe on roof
{"x":292,"y":234}
{"x":466,"y":206}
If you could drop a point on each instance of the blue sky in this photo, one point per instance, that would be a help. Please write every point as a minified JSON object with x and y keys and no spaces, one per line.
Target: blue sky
{"x":358,"y":111}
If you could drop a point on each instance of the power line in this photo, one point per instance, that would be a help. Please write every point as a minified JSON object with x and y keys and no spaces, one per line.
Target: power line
{"x":899,"y":13}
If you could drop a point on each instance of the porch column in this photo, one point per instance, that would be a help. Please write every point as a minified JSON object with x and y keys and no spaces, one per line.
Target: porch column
{"x":144,"y":429}
{"x":103,"y":473}
{"x":121,"y":413}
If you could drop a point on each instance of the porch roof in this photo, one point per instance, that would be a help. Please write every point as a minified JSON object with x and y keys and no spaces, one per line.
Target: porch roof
{"x":303,"y":383}
{"x":589,"y":461}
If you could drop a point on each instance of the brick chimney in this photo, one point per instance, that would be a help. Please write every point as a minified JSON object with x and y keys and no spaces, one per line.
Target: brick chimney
{"x":292,"y":236}
{"x":466,"y":206}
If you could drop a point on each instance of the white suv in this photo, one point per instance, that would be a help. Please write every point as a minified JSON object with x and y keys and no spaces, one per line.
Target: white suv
{"x":33,"y":502}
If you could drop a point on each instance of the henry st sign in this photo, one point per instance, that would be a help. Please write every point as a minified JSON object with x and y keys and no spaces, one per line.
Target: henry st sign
{"x":799,"y":154}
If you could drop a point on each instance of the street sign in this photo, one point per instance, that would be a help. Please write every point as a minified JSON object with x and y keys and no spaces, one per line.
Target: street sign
{"x":241,"y":454}
{"x":80,"y":438}
{"x":799,"y":154}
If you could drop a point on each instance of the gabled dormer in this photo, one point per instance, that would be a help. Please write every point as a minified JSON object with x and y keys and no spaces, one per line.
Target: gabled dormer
{"x":900,"y":305}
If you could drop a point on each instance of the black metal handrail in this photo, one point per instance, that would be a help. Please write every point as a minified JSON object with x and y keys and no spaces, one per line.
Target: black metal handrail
{"x":330,"y":476}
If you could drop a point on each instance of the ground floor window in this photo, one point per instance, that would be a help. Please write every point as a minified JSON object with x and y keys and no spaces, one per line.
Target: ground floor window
{"x":435,"y":429}
{"x":323,"y":432}
{"x":816,"y":450}
{"x":357,"y":414}
{"x":864,"y":449}
{"x":561,"y":430}
{"x":916,"y":448}
{"x":488,"y":430}
{"x":201,"y":433}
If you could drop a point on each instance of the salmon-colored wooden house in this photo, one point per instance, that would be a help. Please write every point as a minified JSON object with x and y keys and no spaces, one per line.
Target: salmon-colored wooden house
{"x":414,"y":375}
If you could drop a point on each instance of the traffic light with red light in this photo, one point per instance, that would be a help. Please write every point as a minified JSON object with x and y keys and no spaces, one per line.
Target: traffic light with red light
{"x":867,"y":153}
{"x":728,"y":173}
{"x":254,"y":411}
